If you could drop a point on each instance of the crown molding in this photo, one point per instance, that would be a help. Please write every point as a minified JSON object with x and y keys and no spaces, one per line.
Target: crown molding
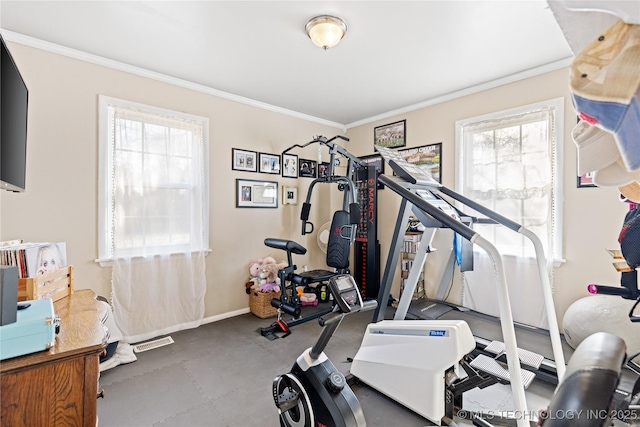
{"x":142,"y":72}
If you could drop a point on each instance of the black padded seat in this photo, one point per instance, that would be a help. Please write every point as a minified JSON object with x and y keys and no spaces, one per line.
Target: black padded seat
{"x":584,"y":395}
{"x":317,"y":276}
{"x":338,"y":248}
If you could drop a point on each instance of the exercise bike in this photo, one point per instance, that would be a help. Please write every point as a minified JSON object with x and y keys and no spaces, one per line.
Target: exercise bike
{"x":314,"y":393}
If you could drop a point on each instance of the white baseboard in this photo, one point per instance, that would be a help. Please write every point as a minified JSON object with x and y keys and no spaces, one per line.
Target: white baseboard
{"x":223,"y":316}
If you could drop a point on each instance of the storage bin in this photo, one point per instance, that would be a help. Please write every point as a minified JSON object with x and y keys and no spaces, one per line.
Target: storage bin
{"x":55,"y":285}
{"x":260,"y":303}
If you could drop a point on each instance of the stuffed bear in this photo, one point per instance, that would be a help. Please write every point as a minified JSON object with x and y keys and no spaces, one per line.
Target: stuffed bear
{"x":268,"y":287}
{"x":255,"y":266}
{"x":263,"y":274}
{"x":268,"y":277}
{"x":269,"y":273}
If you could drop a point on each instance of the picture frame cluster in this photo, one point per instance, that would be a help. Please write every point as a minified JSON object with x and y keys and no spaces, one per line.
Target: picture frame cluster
{"x":253,"y":161}
{"x":287,"y":165}
{"x":255,"y":193}
{"x":252,"y":193}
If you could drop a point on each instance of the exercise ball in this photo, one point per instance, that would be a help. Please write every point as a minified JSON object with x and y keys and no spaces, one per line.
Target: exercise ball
{"x":601,"y":313}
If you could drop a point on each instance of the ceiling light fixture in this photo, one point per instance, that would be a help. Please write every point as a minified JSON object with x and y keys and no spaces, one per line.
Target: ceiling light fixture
{"x":326,"y":31}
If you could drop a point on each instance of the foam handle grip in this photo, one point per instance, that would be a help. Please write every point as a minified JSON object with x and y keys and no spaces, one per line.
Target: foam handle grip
{"x":354,"y":213}
{"x":304,"y":214}
{"x":291,"y":310}
{"x":608,"y":290}
{"x":298,"y":280}
{"x":287,"y":308}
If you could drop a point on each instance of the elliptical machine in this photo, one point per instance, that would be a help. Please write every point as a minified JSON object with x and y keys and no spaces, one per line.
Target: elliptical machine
{"x":314,"y":392}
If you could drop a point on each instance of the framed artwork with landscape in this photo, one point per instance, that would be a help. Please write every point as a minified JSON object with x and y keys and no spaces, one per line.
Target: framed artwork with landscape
{"x":391,"y":135}
{"x":426,"y":157}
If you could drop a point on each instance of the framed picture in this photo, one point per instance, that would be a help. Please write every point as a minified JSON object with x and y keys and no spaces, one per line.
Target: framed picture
{"x":586,"y":180}
{"x":391,"y":135}
{"x":243,"y":160}
{"x":270,"y":163}
{"x":308,"y":168}
{"x":289,"y":166}
{"x":323,"y":170}
{"x":377,"y":161}
{"x":289,"y":195}
{"x":427,"y":157}
{"x":251,"y":193}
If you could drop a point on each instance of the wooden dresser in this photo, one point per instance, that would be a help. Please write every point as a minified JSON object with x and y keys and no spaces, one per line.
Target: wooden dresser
{"x":59,"y":386}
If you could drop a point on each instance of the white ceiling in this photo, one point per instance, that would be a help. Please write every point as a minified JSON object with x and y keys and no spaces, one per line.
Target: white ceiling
{"x":396,"y":55}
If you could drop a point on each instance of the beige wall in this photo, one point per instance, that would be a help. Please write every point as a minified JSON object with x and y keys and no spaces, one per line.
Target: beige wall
{"x":60,"y":203}
{"x":592,"y":217}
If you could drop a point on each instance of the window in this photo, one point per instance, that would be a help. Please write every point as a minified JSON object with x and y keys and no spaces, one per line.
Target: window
{"x":510,"y":162}
{"x":153,"y":181}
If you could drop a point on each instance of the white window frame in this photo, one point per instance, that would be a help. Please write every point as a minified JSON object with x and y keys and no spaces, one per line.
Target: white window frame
{"x":557,"y":104}
{"x":106,"y":168}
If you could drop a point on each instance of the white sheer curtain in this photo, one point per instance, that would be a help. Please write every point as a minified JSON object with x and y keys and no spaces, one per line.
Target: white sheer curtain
{"x":159,"y":230}
{"x":508,"y":165}
{"x":158,"y":295}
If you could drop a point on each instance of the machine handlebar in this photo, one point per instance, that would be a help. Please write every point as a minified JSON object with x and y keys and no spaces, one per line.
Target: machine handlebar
{"x":337,"y":314}
{"x":609,"y":290}
{"x":286,"y":245}
{"x":622,"y":291}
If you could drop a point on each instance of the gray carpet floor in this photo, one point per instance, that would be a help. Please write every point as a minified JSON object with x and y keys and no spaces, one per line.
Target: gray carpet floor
{"x":220,"y":374}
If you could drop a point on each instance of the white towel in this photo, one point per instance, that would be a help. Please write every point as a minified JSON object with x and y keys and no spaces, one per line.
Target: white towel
{"x":124,"y":354}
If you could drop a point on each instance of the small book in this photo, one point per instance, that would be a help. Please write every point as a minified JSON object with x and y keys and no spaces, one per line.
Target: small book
{"x":622,"y":267}
{"x":615,"y":253}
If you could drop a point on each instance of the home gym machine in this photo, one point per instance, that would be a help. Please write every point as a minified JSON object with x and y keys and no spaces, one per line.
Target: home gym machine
{"x":358,"y":210}
{"x":390,"y":372}
{"x":315,"y":393}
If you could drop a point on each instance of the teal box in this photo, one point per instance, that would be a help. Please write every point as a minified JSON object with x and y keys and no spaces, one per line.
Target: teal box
{"x":34,"y":330}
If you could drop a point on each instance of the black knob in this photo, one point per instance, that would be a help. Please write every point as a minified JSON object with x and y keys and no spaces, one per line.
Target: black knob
{"x":336,"y":382}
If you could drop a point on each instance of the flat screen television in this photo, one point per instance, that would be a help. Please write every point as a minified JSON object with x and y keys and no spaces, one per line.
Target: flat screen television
{"x":14,"y":100}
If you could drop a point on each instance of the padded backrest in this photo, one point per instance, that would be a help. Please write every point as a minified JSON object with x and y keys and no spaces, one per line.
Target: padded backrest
{"x":583,"y":396}
{"x":339,"y":245}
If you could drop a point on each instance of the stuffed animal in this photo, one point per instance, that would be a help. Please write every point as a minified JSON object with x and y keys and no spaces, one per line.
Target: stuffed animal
{"x":268,"y":287}
{"x":269,"y":273}
{"x":263,"y":274}
{"x":255,"y":266}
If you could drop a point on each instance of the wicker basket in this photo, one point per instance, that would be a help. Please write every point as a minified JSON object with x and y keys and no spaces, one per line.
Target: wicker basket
{"x":260,"y":303}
